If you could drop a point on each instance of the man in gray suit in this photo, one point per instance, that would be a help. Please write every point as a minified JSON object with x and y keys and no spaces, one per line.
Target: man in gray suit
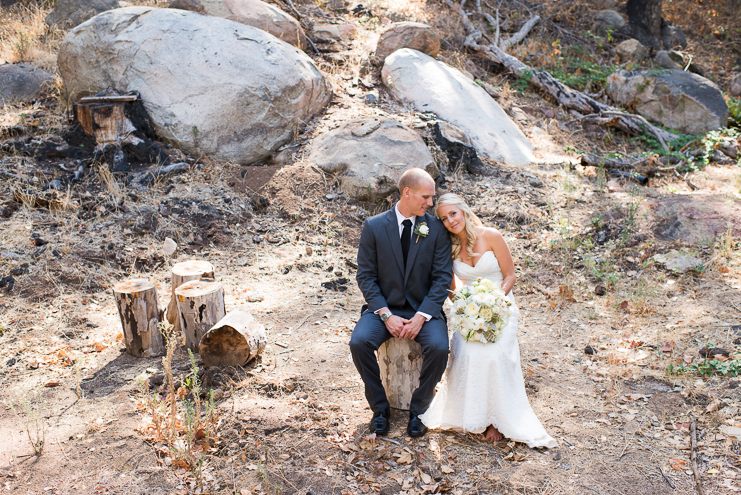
{"x":404,"y":273}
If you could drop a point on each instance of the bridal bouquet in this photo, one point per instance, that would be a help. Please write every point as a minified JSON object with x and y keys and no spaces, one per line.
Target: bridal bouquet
{"x":481,"y":310}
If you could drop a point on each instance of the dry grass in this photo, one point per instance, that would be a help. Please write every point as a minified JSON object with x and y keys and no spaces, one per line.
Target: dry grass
{"x":25,"y":37}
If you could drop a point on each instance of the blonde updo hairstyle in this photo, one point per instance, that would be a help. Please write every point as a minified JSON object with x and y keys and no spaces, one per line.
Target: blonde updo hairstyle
{"x":472,"y":221}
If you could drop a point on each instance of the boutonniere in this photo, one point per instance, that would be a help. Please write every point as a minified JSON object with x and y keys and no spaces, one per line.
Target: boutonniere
{"x":421,"y":229}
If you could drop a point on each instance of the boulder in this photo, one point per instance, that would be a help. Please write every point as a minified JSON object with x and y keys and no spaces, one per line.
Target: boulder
{"x":334,"y":32}
{"x":433,"y":86}
{"x":22,"y":82}
{"x":734,"y":89}
{"x":458,"y":148}
{"x":677,"y":262}
{"x":668,"y":60}
{"x":674,"y":98}
{"x":252,"y":13}
{"x":414,"y":35}
{"x":631,"y":51}
{"x":70,"y":13}
{"x":369,"y":154}
{"x":672,"y":37}
{"x":210,"y":85}
{"x":607,"y":20}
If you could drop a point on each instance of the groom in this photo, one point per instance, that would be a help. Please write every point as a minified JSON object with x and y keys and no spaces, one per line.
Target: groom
{"x":404,"y":273}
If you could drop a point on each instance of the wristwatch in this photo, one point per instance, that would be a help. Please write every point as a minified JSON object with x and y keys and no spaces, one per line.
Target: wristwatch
{"x":385,"y":316}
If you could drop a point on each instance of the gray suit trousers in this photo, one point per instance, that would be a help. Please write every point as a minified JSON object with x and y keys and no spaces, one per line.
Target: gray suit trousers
{"x":368,"y":335}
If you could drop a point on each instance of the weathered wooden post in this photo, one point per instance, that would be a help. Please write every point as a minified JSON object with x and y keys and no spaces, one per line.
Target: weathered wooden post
{"x":200,"y":307}
{"x":137,"y":306}
{"x":400,"y":361}
{"x":185,"y":272}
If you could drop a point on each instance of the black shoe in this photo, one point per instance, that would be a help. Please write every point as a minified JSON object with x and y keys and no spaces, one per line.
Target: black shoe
{"x":416,"y":428}
{"x":380,"y":422}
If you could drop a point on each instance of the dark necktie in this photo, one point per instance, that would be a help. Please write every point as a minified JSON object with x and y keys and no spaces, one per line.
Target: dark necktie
{"x":406,"y":238}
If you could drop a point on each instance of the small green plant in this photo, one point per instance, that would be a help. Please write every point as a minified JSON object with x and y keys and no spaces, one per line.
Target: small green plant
{"x":734,"y":111}
{"x":522,"y":81}
{"x":708,"y":367}
{"x":31,"y":410}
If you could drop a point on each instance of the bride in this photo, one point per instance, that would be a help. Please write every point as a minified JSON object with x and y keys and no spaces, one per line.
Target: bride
{"x":483,"y":390}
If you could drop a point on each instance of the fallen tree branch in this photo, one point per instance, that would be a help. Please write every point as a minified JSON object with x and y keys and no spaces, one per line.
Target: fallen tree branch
{"x":693,"y":457}
{"x":521,"y":34}
{"x":569,"y":98}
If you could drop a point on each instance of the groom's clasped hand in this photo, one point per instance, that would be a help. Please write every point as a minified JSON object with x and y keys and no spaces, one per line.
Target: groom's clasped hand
{"x":402,"y":328}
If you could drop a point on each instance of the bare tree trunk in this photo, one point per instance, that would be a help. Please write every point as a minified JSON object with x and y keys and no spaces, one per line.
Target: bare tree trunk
{"x":137,"y":306}
{"x":644,"y":21}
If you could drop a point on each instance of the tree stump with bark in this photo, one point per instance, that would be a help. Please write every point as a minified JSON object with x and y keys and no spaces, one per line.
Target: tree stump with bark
{"x":137,"y":306}
{"x":400,"y":361}
{"x":200,"y":307}
{"x":234,"y":341}
{"x":185,"y":272}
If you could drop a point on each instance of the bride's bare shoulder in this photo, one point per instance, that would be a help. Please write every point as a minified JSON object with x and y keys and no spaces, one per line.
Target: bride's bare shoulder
{"x":488,"y":233}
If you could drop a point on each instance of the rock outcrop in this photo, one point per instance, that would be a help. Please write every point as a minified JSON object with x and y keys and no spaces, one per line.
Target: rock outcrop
{"x":369,"y":154}
{"x":414,"y":35}
{"x":631,"y":51}
{"x":607,"y":21}
{"x":252,"y":13}
{"x":433,"y":86}
{"x":22,"y":81}
{"x":210,"y":85}
{"x":676,"y":99}
{"x":70,"y":13}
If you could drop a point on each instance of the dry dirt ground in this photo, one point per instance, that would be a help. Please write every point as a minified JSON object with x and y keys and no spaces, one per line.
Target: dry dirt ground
{"x":283,"y":238}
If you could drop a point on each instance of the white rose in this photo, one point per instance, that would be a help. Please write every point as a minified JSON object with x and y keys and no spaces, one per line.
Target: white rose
{"x":472,"y":310}
{"x":424,"y":230}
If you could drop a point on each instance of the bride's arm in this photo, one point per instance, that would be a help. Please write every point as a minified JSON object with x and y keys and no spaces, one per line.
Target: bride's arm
{"x":496,"y":243}
{"x":452,"y":287}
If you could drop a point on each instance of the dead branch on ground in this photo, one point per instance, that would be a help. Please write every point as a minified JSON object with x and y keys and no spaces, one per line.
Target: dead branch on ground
{"x":569,"y":98}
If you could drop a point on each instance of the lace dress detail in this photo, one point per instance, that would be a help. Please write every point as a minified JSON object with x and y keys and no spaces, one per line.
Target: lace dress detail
{"x":483,"y":384}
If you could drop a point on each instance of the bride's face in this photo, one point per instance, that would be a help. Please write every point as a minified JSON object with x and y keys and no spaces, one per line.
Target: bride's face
{"x":453,"y":218}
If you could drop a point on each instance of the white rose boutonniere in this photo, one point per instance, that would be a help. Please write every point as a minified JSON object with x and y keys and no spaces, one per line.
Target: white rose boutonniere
{"x":421,"y":230}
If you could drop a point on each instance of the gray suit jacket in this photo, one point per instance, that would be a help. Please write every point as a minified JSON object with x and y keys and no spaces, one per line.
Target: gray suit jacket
{"x":381,"y":275}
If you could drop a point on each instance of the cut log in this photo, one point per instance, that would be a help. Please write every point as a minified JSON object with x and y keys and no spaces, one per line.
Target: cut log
{"x":137,"y":305}
{"x":200,"y":307}
{"x":185,"y":272}
{"x":400,"y":361}
{"x":106,"y":122}
{"x":233,"y":341}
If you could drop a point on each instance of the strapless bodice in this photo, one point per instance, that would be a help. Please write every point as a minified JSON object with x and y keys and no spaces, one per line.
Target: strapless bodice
{"x":486,"y":267}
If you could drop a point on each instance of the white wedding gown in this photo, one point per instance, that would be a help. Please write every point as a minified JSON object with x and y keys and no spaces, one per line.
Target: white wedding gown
{"x":483,"y":383}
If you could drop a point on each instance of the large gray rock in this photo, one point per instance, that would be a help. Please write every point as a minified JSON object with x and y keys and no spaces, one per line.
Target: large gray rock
{"x":735,"y":87}
{"x":70,"y":13}
{"x":676,"y":99}
{"x":253,"y":13}
{"x":631,"y":51}
{"x":433,"y":86}
{"x":672,"y":37}
{"x":210,"y":85}
{"x":22,"y":82}
{"x":370,"y":154}
{"x":607,"y":20}
{"x":414,"y":35}
{"x":668,"y":60}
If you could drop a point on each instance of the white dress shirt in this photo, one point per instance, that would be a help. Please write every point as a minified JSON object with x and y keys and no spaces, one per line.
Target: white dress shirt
{"x":399,"y":219}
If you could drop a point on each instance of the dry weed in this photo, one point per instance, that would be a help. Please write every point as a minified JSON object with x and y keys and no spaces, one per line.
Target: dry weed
{"x":25,"y":37}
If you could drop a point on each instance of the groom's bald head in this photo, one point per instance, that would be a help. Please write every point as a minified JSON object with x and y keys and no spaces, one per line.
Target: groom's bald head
{"x":414,"y":178}
{"x":417,"y":188}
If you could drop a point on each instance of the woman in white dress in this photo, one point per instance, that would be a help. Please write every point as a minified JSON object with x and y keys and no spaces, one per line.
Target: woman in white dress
{"x":483,"y":391}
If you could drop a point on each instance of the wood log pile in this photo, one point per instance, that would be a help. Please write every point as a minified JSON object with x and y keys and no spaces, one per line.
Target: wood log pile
{"x":196,"y":309}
